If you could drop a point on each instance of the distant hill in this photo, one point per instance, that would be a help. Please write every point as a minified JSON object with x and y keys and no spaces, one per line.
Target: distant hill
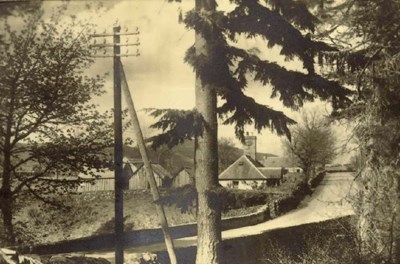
{"x":180,"y":156}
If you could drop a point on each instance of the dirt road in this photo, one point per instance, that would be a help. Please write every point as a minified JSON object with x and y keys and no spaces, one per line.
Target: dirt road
{"x":329,"y":201}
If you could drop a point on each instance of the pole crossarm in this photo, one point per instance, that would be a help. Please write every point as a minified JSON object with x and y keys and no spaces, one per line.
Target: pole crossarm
{"x":115,"y":34}
{"x":115,"y":44}
{"x":117,"y":55}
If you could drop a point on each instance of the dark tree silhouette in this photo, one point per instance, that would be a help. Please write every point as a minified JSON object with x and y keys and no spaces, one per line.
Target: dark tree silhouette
{"x":47,"y":122}
{"x":223,"y":70}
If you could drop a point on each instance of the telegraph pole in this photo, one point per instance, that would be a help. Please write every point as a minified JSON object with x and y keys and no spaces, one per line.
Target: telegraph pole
{"x":118,"y":139}
{"x":118,"y":153}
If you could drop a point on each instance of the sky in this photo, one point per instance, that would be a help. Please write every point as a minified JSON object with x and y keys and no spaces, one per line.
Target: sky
{"x":159,"y":78}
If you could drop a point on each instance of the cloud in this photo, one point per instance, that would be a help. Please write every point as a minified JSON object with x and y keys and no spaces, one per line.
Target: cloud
{"x":159,"y":78}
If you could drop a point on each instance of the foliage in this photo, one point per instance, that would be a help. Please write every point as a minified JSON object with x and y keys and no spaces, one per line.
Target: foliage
{"x":12,"y":8}
{"x":226,"y":153}
{"x":223,"y":69}
{"x":229,"y":68}
{"x":184,"y":197}
{"x":313,"y":143}
{"x":49,"y":125}
{"x":369,"y":33}
{"x":179,"y":124}
{"x":234,"y":199}
{"x":330,"y":242}
{"x":73,"y":260}
{"x":292,"y":200}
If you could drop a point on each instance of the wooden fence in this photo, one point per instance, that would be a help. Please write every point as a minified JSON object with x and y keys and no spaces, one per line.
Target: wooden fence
{"x":103,"y":184}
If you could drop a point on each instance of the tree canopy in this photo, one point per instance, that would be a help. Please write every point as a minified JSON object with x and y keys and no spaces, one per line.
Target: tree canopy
{"x":224,"y":70}
{"x":230,"y":69}
{"x":48,"y":122}
{"x":313,"y":143}
{"x":368,"y":60}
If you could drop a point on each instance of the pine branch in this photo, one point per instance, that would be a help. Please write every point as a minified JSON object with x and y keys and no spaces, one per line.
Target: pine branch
{"x":245,"y":110}
{"x":294,"y":87}
{"x":293,"y":11}
{"x":253,"y":19}
{"x":177,"y":126}
{"x":215,"y":68}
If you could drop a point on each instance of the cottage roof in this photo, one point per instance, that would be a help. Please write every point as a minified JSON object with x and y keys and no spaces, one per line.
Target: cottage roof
{"x":157,"y":168}
{"x":244,"y":168}
{"x":271,"y":173}
{"x":256,"y":163}
{"x":161,"y":171}
{"x":187,"y":169}
{"x":285,"y":162}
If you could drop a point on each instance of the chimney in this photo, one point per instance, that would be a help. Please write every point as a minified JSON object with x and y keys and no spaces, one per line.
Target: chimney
{"x":250,"y":146}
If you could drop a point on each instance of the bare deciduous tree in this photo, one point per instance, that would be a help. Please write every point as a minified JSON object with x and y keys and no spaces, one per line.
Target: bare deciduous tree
{"x":312,"y":144}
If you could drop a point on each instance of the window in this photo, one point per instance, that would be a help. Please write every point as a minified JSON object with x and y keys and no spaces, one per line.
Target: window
{"x":235,"y":184}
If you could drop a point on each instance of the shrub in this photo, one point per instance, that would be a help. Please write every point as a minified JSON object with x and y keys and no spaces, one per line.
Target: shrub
{"x":330,"y":242}
{"x":185,"y":198}
{"x":235,"y":198}
{"x":317,"y":180}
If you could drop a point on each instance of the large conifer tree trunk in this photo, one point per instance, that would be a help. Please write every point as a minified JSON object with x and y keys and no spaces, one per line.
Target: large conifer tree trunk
{"x":209,"y":213}
{"x":379,"y":207}
{"x":378,"y":217}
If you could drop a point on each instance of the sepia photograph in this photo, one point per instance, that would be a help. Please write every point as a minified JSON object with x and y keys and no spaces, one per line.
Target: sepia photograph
{"x":200,"y":131}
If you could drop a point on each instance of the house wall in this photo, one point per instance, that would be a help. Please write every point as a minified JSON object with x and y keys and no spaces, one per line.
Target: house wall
{"x":183,"y":178}
{"x":294,"y":169}
{"x":139,"y":180}
{"x":136,"y":182}
{"x":242,"y":184}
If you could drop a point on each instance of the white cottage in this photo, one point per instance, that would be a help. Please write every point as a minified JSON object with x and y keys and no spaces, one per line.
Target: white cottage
{"x":249,"y":173}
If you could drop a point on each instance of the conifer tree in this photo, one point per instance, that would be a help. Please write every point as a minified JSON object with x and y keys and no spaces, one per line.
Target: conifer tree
{"x":223,"y":71}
